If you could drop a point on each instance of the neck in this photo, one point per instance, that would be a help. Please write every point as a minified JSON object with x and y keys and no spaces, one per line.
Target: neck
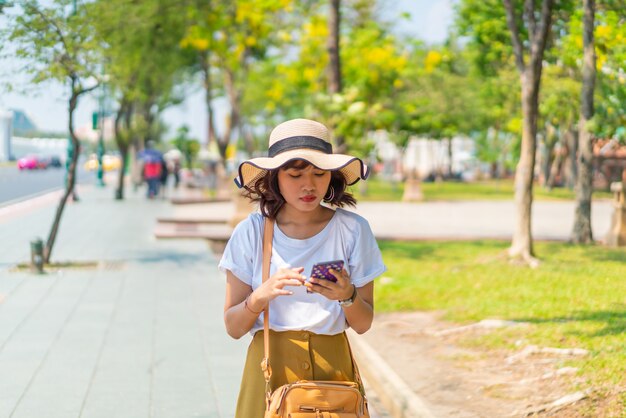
{"x":303,"y":225}
{"x":290,"y":215}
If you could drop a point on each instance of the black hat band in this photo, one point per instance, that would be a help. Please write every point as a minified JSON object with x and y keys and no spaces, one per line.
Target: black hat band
{"x":298,"y":142}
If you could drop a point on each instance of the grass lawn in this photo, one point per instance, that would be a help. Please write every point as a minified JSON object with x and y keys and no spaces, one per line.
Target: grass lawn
{"x":575,"y":298}
{"x":381,"y":190}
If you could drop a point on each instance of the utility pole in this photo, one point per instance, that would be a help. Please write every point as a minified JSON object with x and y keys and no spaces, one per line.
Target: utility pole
{"x":100,"y":152}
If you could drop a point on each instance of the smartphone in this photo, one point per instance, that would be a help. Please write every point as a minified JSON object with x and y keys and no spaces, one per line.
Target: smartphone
{"x":320,"y":270}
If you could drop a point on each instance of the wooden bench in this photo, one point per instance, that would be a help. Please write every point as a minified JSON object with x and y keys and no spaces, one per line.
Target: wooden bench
{"x":217,"y":235}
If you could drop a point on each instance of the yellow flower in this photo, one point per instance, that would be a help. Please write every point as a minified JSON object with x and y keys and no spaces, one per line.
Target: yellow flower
{"x":433,"y":59}
{"x":579,"y":41}
{"x":201,"y":44}
{"x":276,"y":93}
{"x":316,"y":29}
{"x":310,"y":74}
{"x":603,"y":31}
{"x":284,"y":36}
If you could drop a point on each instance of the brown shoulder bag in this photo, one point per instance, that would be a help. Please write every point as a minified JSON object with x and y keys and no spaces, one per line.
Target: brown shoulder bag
{"x":307,"y":399}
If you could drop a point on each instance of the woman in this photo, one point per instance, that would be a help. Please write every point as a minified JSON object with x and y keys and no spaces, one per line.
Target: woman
{"x":308,"y":316}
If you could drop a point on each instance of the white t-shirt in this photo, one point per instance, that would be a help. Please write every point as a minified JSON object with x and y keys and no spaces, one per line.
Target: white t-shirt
{"x":347,"y":236}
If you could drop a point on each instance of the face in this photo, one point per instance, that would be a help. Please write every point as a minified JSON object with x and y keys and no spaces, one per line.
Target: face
{"x":303,"y":187}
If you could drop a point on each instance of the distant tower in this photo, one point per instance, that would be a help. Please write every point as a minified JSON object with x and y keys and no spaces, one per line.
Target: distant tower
{"x":6,"y":133}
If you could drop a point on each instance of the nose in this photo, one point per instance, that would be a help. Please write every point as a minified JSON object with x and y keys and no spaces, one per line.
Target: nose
{"x":308,"y":184}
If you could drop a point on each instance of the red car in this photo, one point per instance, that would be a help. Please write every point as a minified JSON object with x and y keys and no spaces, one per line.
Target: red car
{"x":29,"y":162}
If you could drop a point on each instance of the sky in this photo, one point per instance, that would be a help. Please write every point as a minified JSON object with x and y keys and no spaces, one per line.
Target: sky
{"x":47,"y":105}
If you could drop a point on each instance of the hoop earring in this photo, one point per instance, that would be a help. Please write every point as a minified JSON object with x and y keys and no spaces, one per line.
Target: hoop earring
{"x":330,"y":195}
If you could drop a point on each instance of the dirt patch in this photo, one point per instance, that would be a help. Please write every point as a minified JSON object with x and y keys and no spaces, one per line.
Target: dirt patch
{"x":456,"y":381}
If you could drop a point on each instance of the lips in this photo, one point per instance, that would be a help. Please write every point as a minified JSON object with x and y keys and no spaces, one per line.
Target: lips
{"x":308,"y":199}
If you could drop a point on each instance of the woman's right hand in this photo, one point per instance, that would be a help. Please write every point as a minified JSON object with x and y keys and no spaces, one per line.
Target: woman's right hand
{"x":275,"y":286}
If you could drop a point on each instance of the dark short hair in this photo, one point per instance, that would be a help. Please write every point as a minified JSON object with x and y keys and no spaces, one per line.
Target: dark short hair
{"x":265,"y":190}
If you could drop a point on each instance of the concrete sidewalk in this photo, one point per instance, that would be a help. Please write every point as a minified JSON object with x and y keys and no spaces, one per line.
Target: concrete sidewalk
{"x":140,"y":336}
{"x":551,"y":220}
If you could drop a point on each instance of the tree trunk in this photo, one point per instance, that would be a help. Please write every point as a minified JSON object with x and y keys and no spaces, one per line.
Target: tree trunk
{"x":334,"y":60}
{"x":71,"y":177}
{"x":530,"y":74}
{"x":234,"y":99}
{"x":572,"y":149}
{"x":149,"y":119}
{"x":547,"y":158}
{"x":122,"y":145}
{"x":522,"y":244}
{"x":556,"y":168}
{"x":581,"y":233}
{"x":208,"y":97}
{"x":450,"y":159}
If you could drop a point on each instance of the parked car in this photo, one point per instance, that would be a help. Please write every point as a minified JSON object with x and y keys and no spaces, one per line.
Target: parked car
{"x":55,"y":161}
{"x":29,"y":162}
{"x":109,"y":162}
{"x":43,"y":161}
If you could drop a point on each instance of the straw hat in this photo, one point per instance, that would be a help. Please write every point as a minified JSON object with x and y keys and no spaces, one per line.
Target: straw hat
{"x":301,"y":139}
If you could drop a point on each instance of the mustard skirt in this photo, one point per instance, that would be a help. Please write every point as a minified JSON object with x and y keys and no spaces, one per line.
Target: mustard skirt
{"x":294,"y":355}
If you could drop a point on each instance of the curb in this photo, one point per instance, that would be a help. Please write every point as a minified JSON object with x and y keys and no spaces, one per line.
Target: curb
{"x":393,"y":392}
{"x":26,"y":204}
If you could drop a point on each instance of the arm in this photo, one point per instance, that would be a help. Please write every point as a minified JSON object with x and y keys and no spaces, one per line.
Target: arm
{"x":238,"y":320}
{"x":361,"y":313}
{"x":243,"y":305}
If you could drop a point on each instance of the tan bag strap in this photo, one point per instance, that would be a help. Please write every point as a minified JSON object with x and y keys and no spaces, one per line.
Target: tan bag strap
{"x":268,"y":236}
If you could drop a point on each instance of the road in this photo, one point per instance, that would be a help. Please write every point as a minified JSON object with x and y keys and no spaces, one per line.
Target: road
{"x":18,"y":185}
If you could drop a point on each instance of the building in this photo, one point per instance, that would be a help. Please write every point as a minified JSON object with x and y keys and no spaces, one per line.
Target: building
{"x":6,"y":134}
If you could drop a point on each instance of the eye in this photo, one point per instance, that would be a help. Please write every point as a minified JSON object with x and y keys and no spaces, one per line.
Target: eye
{"x":320,"y":174}
{"x":294,"y":176}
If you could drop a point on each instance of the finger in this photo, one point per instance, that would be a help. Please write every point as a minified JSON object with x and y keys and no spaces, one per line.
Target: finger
{"x":316,"y":288}
{"x":290,"y":282}
{"x":283,"y":292}
{"x":288,"y":270}
{"x":339,"y":275}
{"x":323,"y":284}
{"x":310,"y":287}
{"x":290,"y":275}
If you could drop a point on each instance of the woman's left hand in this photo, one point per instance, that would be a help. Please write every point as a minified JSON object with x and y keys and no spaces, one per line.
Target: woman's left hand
{"x":342,"y":289}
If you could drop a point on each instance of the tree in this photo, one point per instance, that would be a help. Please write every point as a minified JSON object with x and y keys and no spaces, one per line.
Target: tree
{"x":294,"y":81}
{"x":582,"y":232}
{"x":529,"y":62}
{"x":232,"y":36}
{"x":145,"y":65}
{"x":58,"y":44}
